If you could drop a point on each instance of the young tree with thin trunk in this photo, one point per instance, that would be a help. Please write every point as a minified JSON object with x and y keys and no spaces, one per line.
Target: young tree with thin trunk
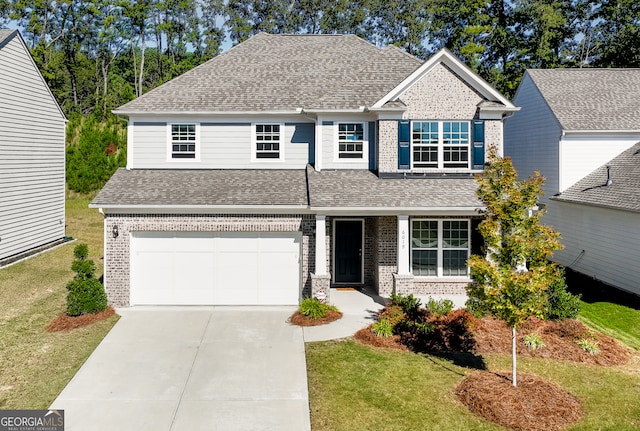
{"x":510,"y":282}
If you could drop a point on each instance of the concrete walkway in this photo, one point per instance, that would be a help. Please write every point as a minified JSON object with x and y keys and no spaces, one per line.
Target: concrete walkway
{"x":193,"y":368}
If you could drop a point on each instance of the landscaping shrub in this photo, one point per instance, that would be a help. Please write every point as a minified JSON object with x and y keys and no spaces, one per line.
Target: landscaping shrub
{"x":382,"y":328}
{"x":314,"y":309}
{"x":533,"y":341}
{"x":409,"y":304}
{"x":439,"y":307}
{"x":561,"y":304}
{"x":85,"y":293}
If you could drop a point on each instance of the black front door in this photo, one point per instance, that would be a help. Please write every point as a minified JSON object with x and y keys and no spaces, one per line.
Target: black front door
{"x":348,"y":251}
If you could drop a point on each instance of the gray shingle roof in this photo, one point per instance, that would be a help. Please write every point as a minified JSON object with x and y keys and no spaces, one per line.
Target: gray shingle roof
{"x":591,"y":99}
{"x":5,"y":34}
{"x":185,"y":187}
{"x":282,"y":188}
{"x":284,"y":73}
{"x":359,"y":188}
{"x":623,"y":193}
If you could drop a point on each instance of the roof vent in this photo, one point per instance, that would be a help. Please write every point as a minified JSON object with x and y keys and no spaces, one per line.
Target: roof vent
{"x":609,"y":179}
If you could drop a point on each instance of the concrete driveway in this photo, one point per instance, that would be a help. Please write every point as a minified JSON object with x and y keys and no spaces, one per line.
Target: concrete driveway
{"x":193,"y":368}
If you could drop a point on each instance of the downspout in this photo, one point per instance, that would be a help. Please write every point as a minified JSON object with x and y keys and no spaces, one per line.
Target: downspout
{"x":104,"y":247}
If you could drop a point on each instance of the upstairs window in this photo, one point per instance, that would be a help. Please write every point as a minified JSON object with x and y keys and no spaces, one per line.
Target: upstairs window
{"x":267,"y":141}
{"x":183,"y":141}
{"x":440,"y":248}
{"x":350,"y":140}
{"x":440,"y":144}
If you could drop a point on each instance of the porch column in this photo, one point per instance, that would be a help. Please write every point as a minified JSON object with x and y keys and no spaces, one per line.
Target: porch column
{"x":403,"y":245}
{"x":321,"y":245}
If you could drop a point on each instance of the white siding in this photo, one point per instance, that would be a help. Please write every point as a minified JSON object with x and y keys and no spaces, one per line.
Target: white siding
{"x":32,"y":155}
{"x":223,"y":145}
{"x":532,"y":135}
{"x":599,"y":242}
{"x":581,"y":155}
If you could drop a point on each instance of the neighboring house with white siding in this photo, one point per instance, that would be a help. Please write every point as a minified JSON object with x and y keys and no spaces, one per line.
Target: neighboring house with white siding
{"x":292,"y":164}
{"x":572,"y":123}
{"x":32,"y":154}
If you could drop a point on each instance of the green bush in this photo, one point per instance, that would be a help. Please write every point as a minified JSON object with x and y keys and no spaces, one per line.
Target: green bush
{"x":589,"y":346}
{"x":409,"y":304}
{"x":314,"y":309}
{"x":561,"y":304}
{"x":440,"y":307}
{"x":85,"y":293}
{"x":382,"y":328}
{"x":95,"y":150}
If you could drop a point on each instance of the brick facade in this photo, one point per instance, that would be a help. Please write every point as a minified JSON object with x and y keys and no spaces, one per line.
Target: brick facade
{"x":117,"y":270}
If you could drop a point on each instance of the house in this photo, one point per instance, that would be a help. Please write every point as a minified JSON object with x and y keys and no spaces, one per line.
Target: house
{"x":32,"y":155}
{"x":292,"y":164}
{"x":572,"y":123}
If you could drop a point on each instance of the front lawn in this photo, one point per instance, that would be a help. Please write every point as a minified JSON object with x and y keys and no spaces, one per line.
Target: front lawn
{"x":35,"y":364}
{"x":356,"y":387}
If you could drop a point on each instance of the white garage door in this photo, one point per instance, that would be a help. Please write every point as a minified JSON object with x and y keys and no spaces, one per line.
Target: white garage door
{"x":213,"y":268}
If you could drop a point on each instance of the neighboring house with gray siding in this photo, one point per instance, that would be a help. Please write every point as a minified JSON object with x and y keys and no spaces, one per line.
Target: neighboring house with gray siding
{"x":32,"y":154}
{"x":572,"y":122}
{"x":279,"y":170}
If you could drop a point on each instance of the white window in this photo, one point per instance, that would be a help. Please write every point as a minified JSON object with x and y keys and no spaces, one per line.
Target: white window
{"x":440,"y":248}
{"x":440,"y":144}
{"x":183,"y":141}
{"x":268,"y":141}
{"x":351,"y":141}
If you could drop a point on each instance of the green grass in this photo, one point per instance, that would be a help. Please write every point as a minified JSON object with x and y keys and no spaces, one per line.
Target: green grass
{"x":35,"y":365}
{"x":355,"y":387}
{"x":614,"y":320}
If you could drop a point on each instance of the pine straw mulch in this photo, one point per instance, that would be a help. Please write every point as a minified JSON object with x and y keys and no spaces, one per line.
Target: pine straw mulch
{"x":302,"y":320}
{"x":64,"y":322}
{"x":535,"y":404}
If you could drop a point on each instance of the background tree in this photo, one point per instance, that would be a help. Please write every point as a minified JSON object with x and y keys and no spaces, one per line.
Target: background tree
{"x":512,"y":280}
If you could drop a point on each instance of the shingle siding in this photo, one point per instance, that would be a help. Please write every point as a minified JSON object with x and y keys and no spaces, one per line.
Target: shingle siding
{"x":32,"y":154}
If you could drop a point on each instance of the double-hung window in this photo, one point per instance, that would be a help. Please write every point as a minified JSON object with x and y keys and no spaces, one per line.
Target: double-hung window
{"x":440,"y":248}
{"x":351,"y":140}
{"x":267,"y":141}
{"x":441,"y":144}
{"x":183,"y":141}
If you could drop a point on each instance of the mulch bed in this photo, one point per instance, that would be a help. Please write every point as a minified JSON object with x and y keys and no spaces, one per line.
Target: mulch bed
{"x":533,"y":405}
{"x":302,"y":320}
{"x":63,"y":322}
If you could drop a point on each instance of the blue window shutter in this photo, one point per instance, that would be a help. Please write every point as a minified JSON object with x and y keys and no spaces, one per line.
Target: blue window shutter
{"x":477,"y":155}
{"x":373,"y":152}
{"x":404,"y":144}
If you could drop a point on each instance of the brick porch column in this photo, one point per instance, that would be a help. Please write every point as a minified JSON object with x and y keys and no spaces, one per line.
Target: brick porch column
{"x":321,"y":279}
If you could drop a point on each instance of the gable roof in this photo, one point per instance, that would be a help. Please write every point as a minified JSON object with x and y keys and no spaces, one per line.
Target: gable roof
{"x":5,"y":35}
{"x":591,"y":99}
{"x":444,"y":56}
{"x":283,"y":73}
{"x":622,"y":194}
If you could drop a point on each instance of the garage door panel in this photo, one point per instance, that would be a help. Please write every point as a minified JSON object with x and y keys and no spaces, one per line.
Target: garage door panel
{"x":207,"y":268}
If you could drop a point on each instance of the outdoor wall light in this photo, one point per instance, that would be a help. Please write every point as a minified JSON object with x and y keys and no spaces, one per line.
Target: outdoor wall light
{"x":115,"y":231}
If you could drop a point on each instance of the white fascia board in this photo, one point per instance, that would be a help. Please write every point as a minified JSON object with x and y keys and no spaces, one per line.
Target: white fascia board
{"x":630,"y":133}
{"x":361,"y":109}
{"x":446,"y":57}
{"x":204,"y":113}
{"x":393,"y":211}
{"x":202,"y":209}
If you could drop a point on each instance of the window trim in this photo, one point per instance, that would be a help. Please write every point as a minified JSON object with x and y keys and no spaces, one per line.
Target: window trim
{"x":254,"y":143}
{"x":365,"y":143}
{"x":440,"y":248}
{"x":440,"y":146}
{"x":197,"y":143}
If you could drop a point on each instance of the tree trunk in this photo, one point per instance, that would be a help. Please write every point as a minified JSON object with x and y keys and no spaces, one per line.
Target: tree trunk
{"x":514,"y":378}
{"x":142,"y":49}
